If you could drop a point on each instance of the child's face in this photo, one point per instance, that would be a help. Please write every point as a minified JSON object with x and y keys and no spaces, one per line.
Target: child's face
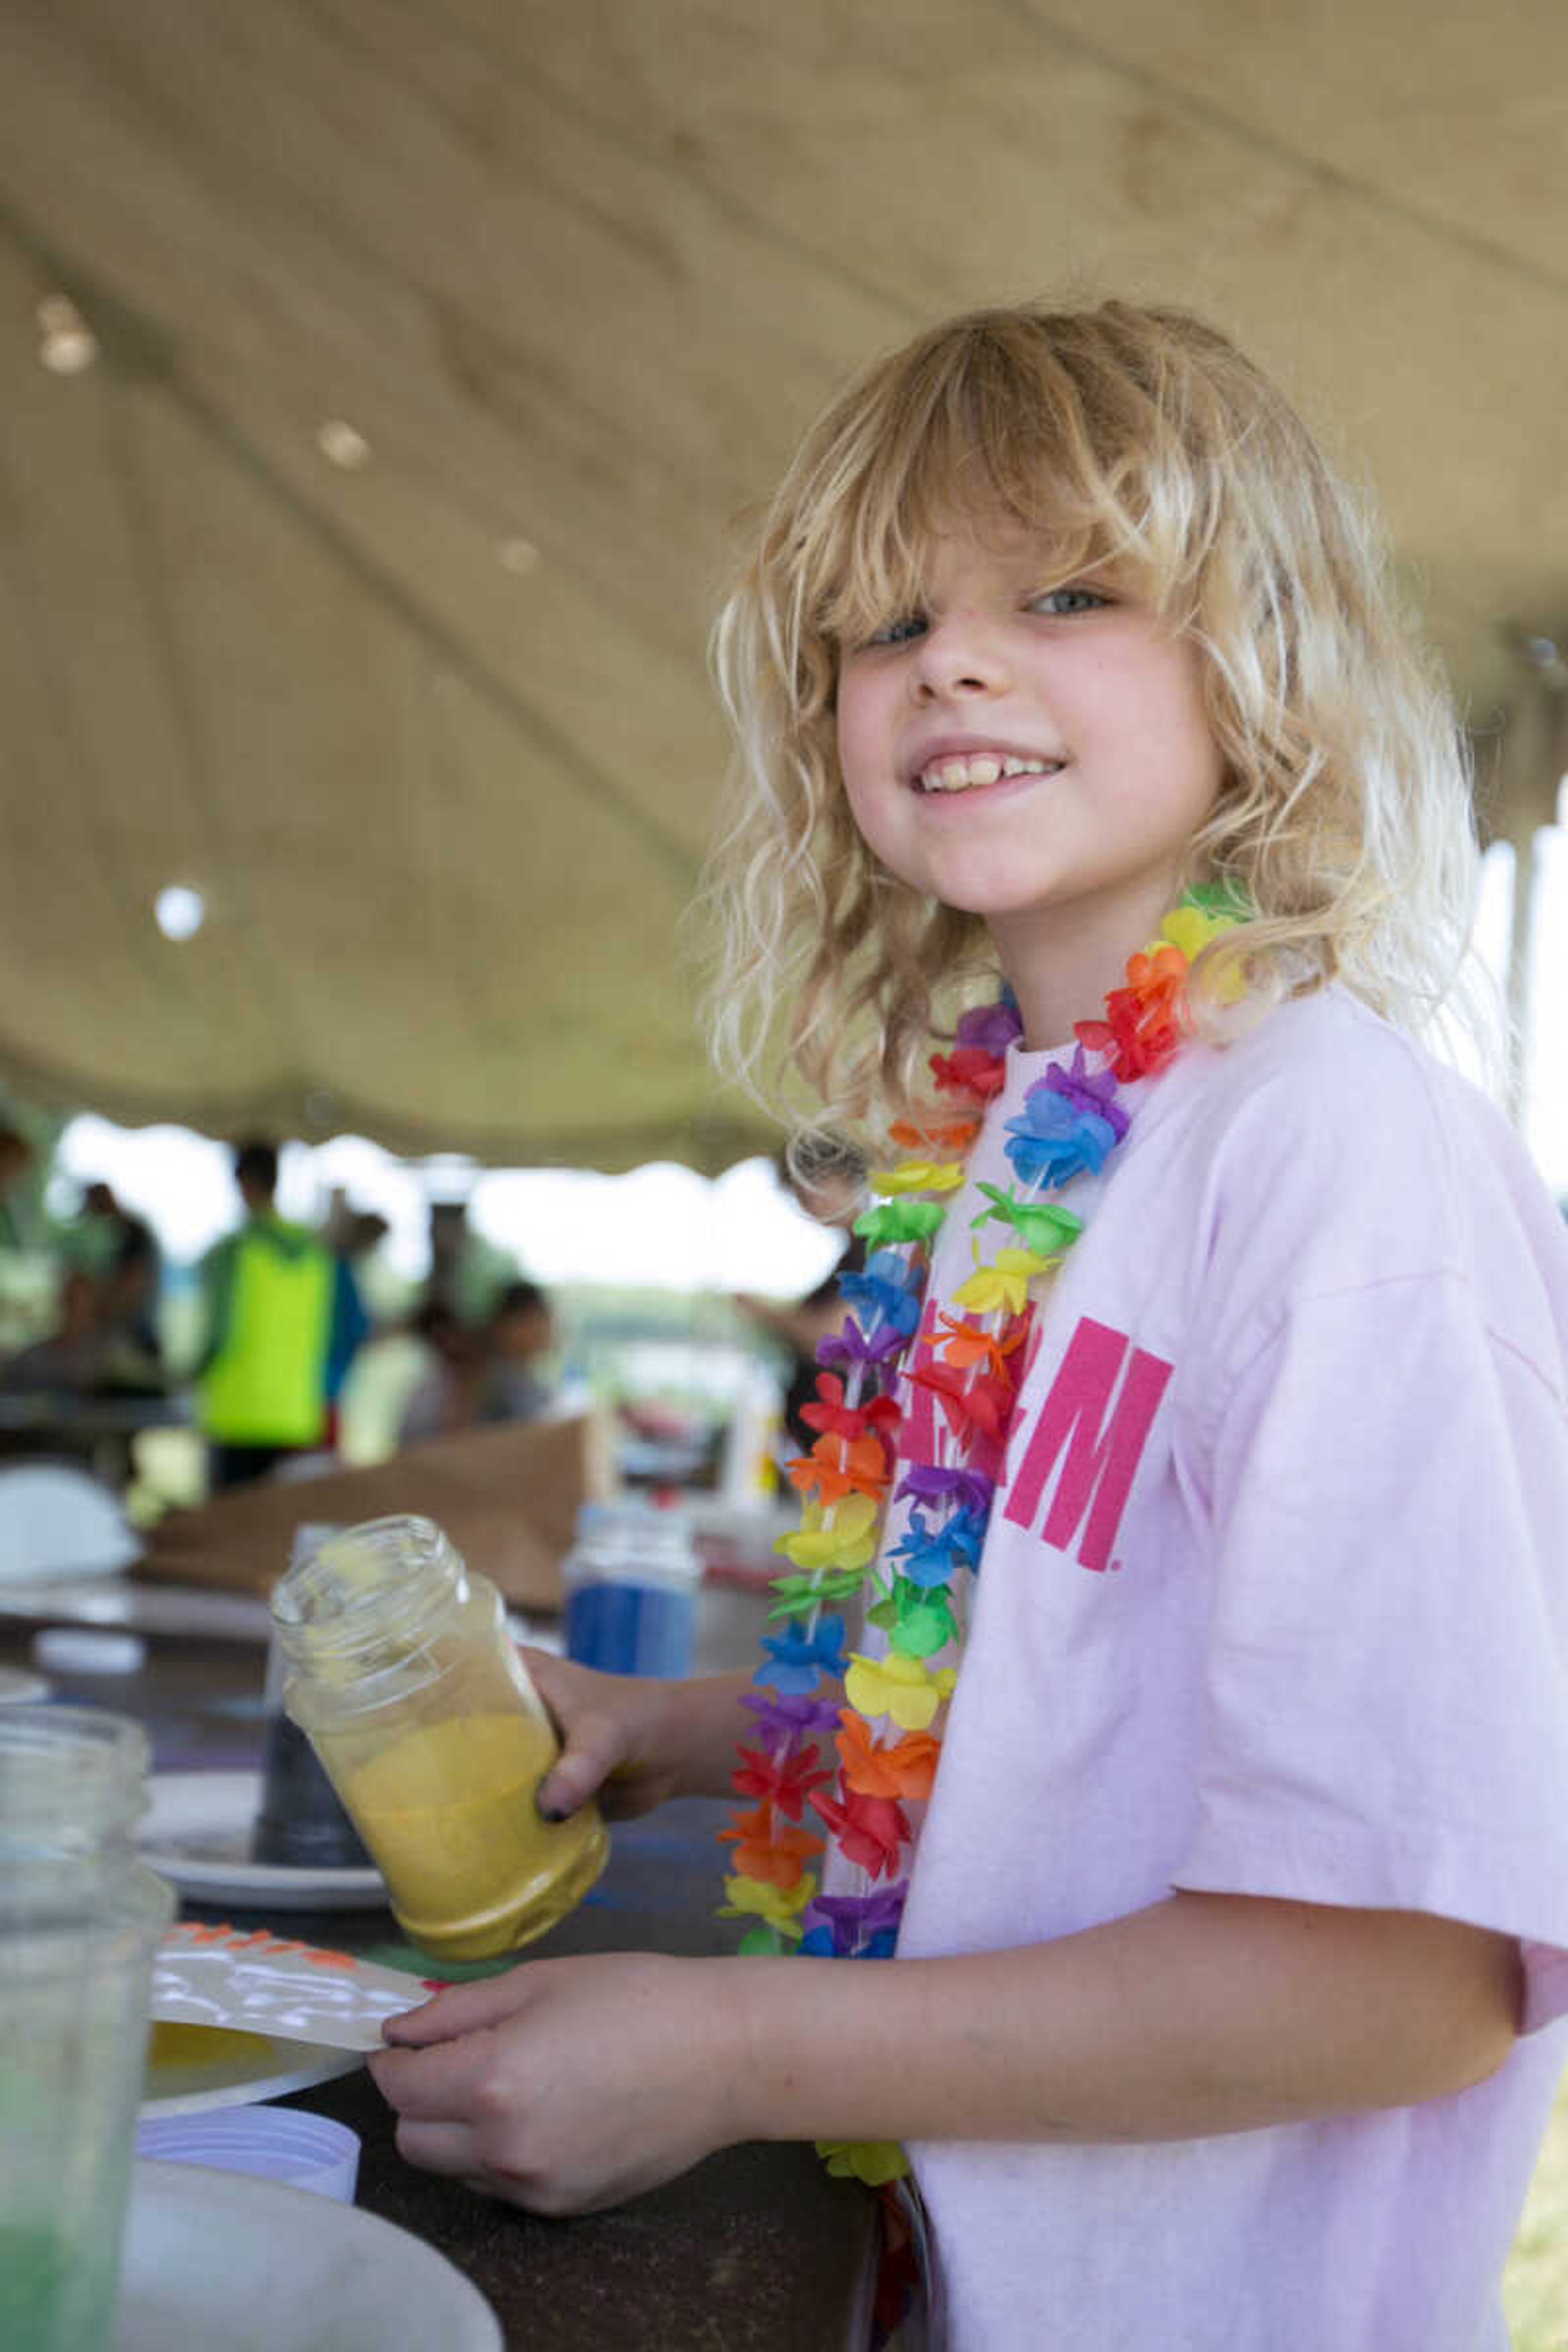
{"x":1083,"y":848}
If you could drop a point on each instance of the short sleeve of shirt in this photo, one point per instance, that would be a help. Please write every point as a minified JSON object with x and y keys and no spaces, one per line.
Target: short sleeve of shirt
{"x":1385,"y":1709}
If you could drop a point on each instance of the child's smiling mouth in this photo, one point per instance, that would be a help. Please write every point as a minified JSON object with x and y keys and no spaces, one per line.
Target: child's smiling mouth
{"x":963,"y":772}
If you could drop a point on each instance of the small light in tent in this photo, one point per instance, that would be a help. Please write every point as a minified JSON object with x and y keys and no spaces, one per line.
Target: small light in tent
{"x":519,"y":556}
{"x":179,"y":911}
{"x":340,"y":445}
{"x":67,"y":344}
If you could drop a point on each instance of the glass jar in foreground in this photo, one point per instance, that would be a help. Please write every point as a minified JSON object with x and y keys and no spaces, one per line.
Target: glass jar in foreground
{"x":402,"y":1675}
{"x":80,"y":1921}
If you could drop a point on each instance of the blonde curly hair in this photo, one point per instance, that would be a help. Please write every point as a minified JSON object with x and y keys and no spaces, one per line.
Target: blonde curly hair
{"x":1125,"y":435}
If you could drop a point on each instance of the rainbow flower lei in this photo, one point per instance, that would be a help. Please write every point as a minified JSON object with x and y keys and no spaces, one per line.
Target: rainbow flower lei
{"x":887,"y":1737}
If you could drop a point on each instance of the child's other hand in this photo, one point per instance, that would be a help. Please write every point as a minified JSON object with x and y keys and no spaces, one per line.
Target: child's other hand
{"x":564,"y":2085}
{"x":618,"y":1739}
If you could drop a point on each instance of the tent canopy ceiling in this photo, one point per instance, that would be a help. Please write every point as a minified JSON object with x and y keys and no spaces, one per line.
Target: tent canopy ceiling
{"x":430,"y":728}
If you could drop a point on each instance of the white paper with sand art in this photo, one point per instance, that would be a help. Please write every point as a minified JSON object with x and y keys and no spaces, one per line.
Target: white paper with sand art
{"x":263,"y":1983}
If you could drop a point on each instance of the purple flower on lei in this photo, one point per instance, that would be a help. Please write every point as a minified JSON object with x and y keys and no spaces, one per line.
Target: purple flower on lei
{"x":796,"y":1658}
{"x":992,"y":1027}
{"x":1071,"y":1122}
{"x":855,"y":1926}
{"x":784,"y":1718}
{"x":972,"y":1490}
{"x":1087,"y":1091}
{"x":851,"y":1345}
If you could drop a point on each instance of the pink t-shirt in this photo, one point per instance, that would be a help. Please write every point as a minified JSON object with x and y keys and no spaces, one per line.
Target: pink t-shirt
{"x":1273,"y":1603}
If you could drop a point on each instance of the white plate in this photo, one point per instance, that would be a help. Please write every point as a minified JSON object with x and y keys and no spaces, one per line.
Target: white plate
{"x":193,"y":2067}
{"x":197,"y":1834}
{"x":203,"y":2264}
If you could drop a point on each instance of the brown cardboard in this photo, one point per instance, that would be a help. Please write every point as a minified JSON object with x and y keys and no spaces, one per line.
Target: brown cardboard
{"x":507,"y":1497}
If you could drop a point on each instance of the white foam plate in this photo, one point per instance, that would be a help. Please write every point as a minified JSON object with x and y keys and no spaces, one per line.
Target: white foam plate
{"x":219,"y":2258}
{"x":197,"y":1832}
{"x":209,"y":2068}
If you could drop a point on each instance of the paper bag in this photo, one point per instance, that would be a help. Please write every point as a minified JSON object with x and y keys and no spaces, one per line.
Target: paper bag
{"x":507,"y":1497}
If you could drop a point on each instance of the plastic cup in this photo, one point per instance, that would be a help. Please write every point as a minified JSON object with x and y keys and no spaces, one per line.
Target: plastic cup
{"x":79,"y":1923}
{"x":303,"y":2151}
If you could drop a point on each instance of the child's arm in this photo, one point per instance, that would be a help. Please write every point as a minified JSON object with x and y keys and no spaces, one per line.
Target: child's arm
{"x":569,"y":2085}
{"x":633,"y":1741}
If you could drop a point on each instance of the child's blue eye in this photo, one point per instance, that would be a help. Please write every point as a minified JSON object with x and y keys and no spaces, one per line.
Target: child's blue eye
{"x":1069,"y":600}
{"x":899,"y":632}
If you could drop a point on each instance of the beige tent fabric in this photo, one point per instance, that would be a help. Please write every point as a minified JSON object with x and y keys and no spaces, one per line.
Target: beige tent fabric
{"x":430,"y":728}
{"x":507,"y":1497}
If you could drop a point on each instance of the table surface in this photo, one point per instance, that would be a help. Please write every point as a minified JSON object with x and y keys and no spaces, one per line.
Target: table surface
{"x":755,"y":2250}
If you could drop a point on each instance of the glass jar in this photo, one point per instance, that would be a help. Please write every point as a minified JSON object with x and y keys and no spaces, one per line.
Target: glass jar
{"x":630,"y":1582}
{"x":300,"y":1823}
{"x":80,"y":1921}
{"x":402,"y":1674}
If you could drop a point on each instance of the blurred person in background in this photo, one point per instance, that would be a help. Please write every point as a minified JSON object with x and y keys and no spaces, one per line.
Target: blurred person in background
{"x":15,"y":1170}
{"x":280,"y":1307}
{"x":352,"y":1235}
{"x":70,"y":1359}
{"x":475,"y":1378}
{"x":468,"y":1273}
{"x":120,"y":1252}
{"x":825,"y":1176}
{"x":447,"y":1394}
{"x":26,"y":1275}
{"x":104,"y":1337}
{"x":519,"y":1337}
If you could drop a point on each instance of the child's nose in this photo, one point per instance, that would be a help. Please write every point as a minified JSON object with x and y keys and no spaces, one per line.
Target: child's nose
{"x":960,"y":654}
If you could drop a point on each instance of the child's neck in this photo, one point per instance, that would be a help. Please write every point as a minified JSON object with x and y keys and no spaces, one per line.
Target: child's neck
{"x":1062,"y":962}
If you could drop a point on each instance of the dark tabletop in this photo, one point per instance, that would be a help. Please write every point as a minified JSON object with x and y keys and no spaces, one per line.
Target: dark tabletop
{"x":755,"y":2250}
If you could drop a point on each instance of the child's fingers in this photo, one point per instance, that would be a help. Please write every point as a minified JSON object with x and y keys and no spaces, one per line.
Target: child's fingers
{"x":596,"y":1744}
{"x":445,"y":2083}
{"x":458,"y":2008}
{"x":442,"y":2147}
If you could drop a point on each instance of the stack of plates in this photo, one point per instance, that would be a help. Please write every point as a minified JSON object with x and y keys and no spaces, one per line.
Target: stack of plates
{"x":215,"y":2258}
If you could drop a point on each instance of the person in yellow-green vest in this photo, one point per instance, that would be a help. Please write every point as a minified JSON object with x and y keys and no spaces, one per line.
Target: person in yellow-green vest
{"x":283,"y":1318}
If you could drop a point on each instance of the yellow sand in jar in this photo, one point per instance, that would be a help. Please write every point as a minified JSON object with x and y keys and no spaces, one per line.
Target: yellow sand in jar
{"x":449,"y":1813}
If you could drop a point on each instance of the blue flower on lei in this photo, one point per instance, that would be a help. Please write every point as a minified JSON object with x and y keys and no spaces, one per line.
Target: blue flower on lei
{"x":796,"y":1658}
{"x":1072,"y":1122}
{"x":930,"y":1555}
{"x":881,"y":1294}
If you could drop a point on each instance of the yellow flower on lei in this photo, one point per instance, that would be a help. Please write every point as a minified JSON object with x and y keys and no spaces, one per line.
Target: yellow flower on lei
{"x":1191,"y":928}
{"x":918,"y":1176}
{"x":848,"y":1539}
{"x":902,"y":1687}
{"x":781,"y":1907}
{"x":1004,"y":1283}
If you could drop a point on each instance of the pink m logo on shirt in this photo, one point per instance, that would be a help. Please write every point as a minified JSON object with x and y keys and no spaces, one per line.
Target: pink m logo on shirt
{"x":1102,"y":1442}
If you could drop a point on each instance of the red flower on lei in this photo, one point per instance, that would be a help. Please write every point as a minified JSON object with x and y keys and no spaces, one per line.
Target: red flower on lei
{"x":869,"y":1829}
{"x":969,"y":1070}
{"x":976,"y":1405}
{"x":1146,"y":1022}
{"x":785,"y":1781}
